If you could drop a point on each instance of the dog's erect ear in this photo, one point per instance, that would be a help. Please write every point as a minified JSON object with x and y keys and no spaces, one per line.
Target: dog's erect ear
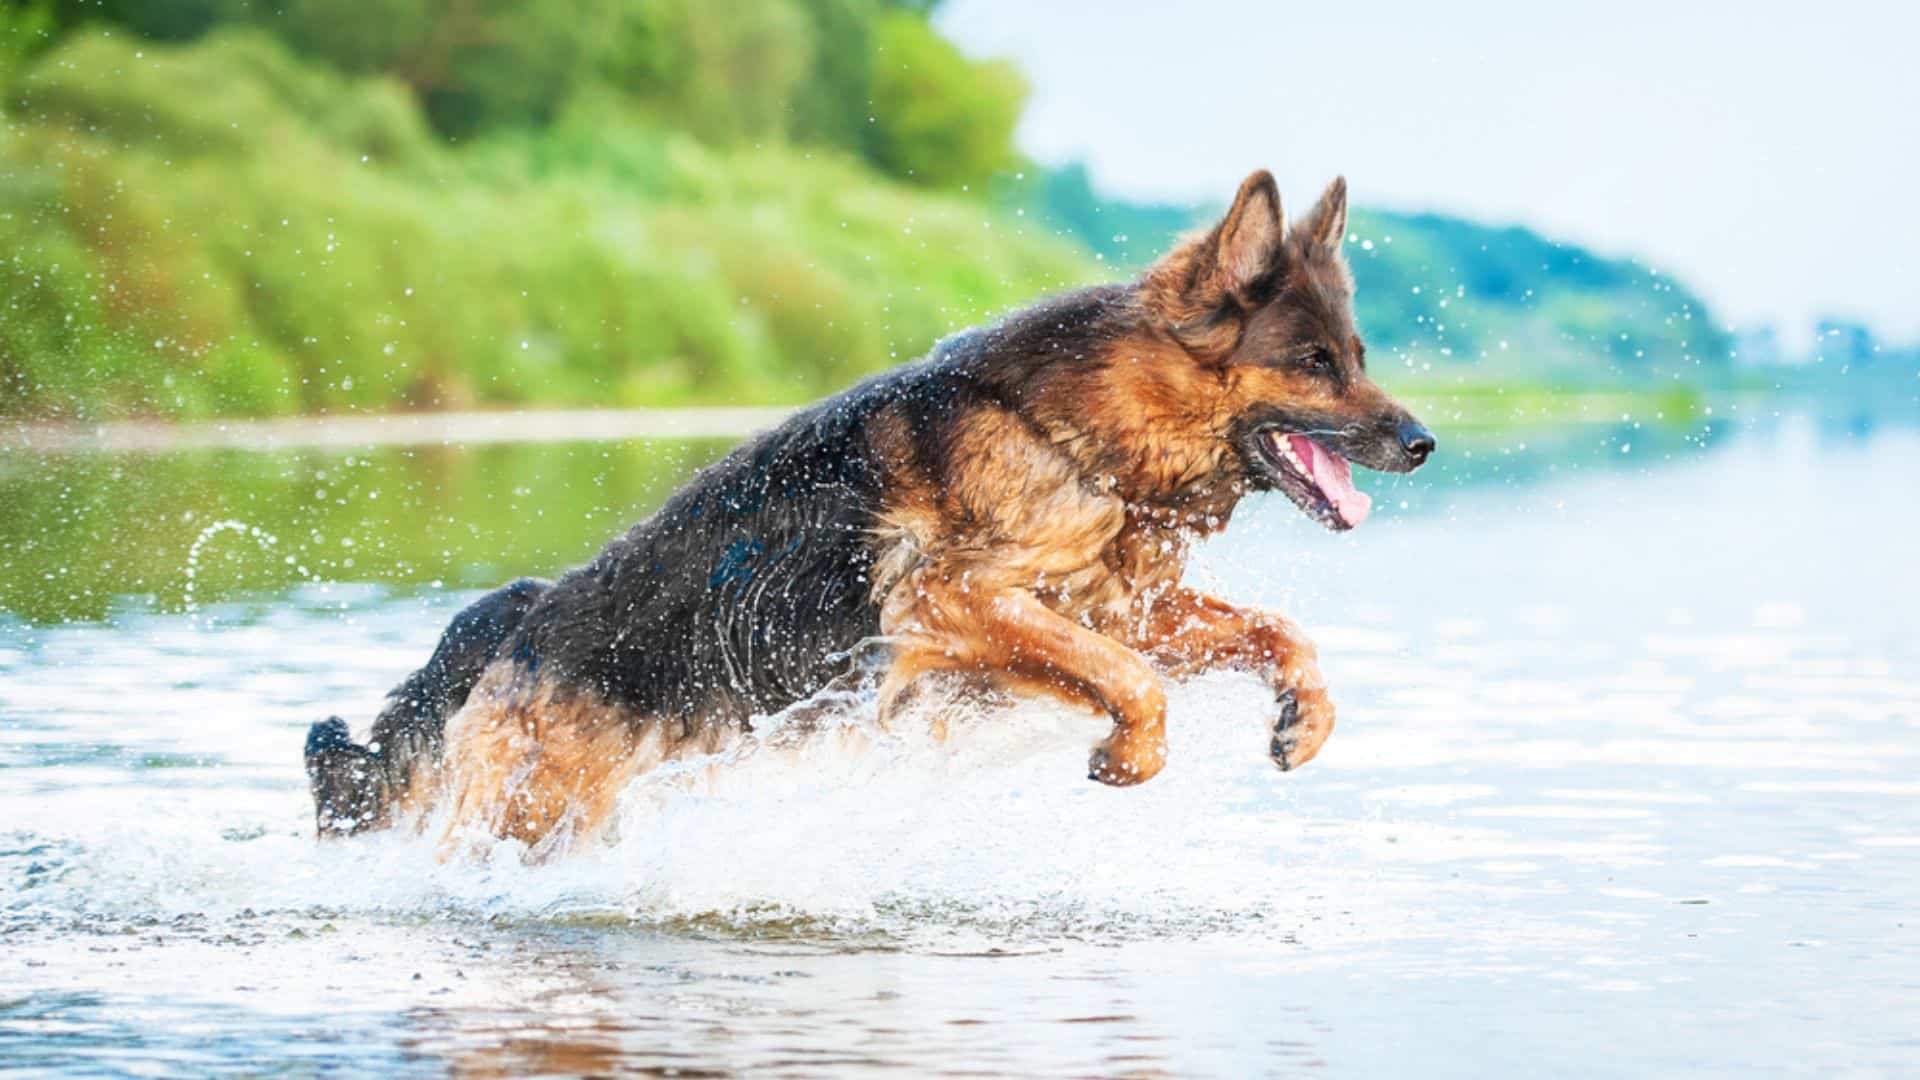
{"x":1206,"y":273}
{"x":1325,"y":226}
{"x":1247,"y":242}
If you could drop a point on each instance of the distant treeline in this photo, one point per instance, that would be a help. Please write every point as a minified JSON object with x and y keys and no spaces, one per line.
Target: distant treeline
{"x":1452,"y":296}
{"x":245,"y":207}
{"x":866,"y":76}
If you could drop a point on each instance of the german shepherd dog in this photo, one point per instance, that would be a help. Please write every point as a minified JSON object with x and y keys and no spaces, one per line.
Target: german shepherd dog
{"x":1017,"y":506}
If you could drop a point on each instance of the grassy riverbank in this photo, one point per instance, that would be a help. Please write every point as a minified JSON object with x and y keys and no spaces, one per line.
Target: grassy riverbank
{"x":212,"y":212}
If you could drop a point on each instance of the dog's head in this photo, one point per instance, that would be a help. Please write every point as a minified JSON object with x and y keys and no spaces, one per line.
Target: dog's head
{"x":1264,"y":312}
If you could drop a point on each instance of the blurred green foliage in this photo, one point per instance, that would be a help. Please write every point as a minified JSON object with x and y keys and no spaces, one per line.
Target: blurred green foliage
{"x":1441,"y":298}
{"x":25,"y":29}
{"x":230,"y":207}
{"x":725,"y":72}
{"x":1505,"y":304}
{"x":91,"y":533}
{"x":226,"y":228}
{"x":867,"y":76}
{"x":1125,"y":233}
{"x":938,"y":117}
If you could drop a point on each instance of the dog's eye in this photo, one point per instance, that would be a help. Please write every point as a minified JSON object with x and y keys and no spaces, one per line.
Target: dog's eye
{"x":1317,"y":360}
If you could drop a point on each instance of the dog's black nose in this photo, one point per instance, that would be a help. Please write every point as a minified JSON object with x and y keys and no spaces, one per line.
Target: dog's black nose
{"x":1415,"y":440}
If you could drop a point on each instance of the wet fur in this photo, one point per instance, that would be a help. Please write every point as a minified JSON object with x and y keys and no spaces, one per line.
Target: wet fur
{"x":1017,"y":505}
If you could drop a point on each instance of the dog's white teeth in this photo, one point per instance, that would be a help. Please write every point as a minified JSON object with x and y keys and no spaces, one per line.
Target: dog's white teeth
{"x":1283,"y":446}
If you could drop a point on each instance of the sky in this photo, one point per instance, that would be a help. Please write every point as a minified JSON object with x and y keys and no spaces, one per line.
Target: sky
{"x":1764,"y":154}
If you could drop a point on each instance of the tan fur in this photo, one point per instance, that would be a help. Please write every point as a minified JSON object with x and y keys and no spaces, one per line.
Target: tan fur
{"x":1013,"y":564}
{"x":939,"y":625}
{"x":1067,"y":588}
{"x":525,"y":763}
{"x":1054,"y":555}
{"x":1037,"y":546}
{"x":1188,"y":632}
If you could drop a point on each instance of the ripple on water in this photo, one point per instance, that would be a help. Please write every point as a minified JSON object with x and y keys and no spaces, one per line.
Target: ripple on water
{"x":1546,"y":800}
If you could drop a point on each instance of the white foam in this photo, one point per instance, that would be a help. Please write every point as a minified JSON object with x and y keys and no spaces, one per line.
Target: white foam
{"x":998,"y":824}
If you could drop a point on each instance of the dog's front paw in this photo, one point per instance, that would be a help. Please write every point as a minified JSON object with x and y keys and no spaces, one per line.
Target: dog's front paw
{"x":1302,"y":722}
{"x":1126,"y":759}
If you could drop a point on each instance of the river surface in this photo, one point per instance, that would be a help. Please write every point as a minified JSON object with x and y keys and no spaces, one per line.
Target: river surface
{"x":1626,"y":782}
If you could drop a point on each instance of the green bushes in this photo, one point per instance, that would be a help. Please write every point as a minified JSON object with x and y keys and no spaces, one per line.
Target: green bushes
{"x":25,"y":29}
{"x":724,"y":72}
{"x":473,"y":64}
{"x":940,"y":118}
{"x":1510,"y":306}
{"x":866,"y":77}
{"x":655,"y":203}
{"x":219,"y":228}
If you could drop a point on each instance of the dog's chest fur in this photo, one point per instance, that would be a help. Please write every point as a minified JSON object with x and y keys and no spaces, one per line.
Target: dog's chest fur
{"x":1013,"y":509}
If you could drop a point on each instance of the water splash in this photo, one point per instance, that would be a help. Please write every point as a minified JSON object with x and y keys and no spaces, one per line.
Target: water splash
{"x":853,"y":826}
{"x":266,"y":540}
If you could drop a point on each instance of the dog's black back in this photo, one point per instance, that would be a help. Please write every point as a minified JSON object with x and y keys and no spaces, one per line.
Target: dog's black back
{"x":740,"y":594}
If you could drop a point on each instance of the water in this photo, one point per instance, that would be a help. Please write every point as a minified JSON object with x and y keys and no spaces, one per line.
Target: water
{"x":1625,"y":781}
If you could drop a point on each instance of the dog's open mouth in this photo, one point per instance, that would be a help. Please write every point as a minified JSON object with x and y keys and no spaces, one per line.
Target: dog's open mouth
{"x":1318,"y":480}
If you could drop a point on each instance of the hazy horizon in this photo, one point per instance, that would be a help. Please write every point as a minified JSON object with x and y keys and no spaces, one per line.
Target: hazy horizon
{"x":1757,"y":157}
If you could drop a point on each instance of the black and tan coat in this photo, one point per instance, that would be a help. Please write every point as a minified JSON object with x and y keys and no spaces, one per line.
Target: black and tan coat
{"x":1017,"y":506}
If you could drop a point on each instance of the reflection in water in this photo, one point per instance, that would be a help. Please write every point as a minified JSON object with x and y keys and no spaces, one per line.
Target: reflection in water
{"x":1624,"y":783}
{"x":84,"y":532}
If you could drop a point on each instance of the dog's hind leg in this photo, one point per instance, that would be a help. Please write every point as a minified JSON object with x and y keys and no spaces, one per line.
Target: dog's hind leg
{"x":357,"y":787}
{"x":526,"y":763}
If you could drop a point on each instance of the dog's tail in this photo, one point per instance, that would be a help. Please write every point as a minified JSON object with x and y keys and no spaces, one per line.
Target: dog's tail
{"x":356,"y":787}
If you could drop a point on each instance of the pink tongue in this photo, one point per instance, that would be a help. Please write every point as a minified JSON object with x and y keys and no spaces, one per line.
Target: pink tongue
{"x":1330,"y":471}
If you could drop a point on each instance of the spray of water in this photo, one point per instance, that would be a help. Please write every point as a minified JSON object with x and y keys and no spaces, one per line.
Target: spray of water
{"x":853,"y":826}
{"x":266,"y":540}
